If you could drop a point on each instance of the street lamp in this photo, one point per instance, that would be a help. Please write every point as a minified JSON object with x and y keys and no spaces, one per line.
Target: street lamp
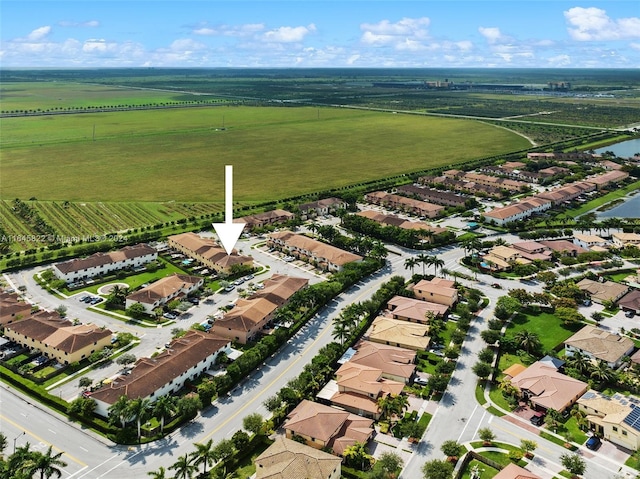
{"x":15,"y":439}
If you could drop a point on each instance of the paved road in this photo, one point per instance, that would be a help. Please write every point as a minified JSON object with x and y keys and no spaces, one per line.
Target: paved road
{"x":457,"y":417}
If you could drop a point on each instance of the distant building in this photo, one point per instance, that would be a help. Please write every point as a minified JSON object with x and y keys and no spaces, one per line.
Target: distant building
{"x":599,"y":292}
{"x":267,"y":218}
{"x":589,"y":241}
{"x":403,"y":203}
{"x":625,"y":239}
{"x":208,"y":252}
{"x":415,"y":310}
{"x":99,"y":264}
{"x":394,"y":332}
{"x":321,"y":207}
{"x":606,"y":179}
{"x":312,"y":251}
{"x":518,"y":211}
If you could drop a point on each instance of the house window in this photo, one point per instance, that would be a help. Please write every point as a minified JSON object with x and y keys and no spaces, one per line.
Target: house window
{"x":624,"y":433}
{"x":615,"y":429}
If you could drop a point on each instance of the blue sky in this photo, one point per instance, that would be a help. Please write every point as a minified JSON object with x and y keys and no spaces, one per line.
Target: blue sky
{"x":356,"y":33}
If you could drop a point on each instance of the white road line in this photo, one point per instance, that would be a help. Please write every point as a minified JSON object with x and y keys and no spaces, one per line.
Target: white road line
{"x":466,"y":422}
{"x":85,"y":450}
{"x":52,"y":431}
{"x":479,"y":424}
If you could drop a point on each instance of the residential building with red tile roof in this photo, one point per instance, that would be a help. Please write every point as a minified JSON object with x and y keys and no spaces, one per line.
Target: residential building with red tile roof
{"x":415,"y":310}
{"x":164,"y":290}
{"x":513,"y":471}
{"x":251,"y":316}
{"x":98,"y":264}
{"x":410,"y":205}
{"x":517,"y":211}
{"x":325,"y":426}
{"x":207,"y":252}
{"x":12,"y":308}
{"x":267,"y":218}
{"x":185,"y":359}
{"x":392,"y":220}
{"x":58,"y":338}
{"x":287,"y":459}
{"x":312,"y":251}
{"x":606,"y":179}
{"x":321,"y":207}
{"x":395,"y":363}
{"x":606,"y":291}
{"x":621,"y":239}
{"x":630,"y":301}
{"x":564,"y":247}
{"x":546,"y":388}
{"x":433,"y":196}
{"x":360,"y":387}
{"x":436,"y":290}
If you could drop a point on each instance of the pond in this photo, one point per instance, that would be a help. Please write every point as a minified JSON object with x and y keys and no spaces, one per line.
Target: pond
{"x":624,"y":149}
{"x":629,"y":209}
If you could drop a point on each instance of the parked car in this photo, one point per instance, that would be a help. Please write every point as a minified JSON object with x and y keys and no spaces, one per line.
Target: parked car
{"x":194,"y":300}
{"x":629,"y":314}
{"x":95,"y":300}
{"x":593,"y":443}
{"x":84,"y":299}
{"x":496,"y":286}
{"x":537,"y":419}
{"x":229,"y":288}
{"x":169,"y":316}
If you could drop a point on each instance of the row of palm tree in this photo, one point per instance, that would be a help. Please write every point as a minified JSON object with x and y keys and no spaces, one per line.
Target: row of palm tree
{"x":424,"y":260}
{"x":25,"y":463}
{"x":392,"y":406}
{"x":125,"y":410}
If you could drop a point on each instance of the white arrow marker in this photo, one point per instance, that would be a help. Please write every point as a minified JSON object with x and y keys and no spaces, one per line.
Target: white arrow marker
{"x":228,"y":232}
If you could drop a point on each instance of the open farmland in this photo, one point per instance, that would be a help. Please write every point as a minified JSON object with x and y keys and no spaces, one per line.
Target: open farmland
{"x":178,"y":155}
{"x":51,"y":96}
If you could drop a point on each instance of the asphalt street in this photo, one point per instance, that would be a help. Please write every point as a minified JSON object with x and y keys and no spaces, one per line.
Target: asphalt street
{"x":90,"y":456}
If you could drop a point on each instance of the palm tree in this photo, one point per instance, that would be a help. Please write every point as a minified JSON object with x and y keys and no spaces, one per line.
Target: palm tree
{"x":436,"y":263}
{"x":203,"y":455}
{"x":528,"y":340}
{"x":400,"y":404}
{"x":120,"y":410}
{"x":423,"y":259}
{"x":579,"y":361}
{"x":139,"y":410}
{"x":340,"y":331}
{"x":47,"y":464}
{"x":385,"y":404}
{"x":184,"y":467}
{"x":159,"y":474}
{"x":410,"y":263}
{"x":601,"y":372}
{"x":163,"y":408}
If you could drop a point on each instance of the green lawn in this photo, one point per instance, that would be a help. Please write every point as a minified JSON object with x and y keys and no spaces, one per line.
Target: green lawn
{"x":549,"y":329}
{"x":135,"y":155}
{"x":135,"y":280}
{"x":498,"y":398}
{"x":571,"y":427}
{"x":486,"y":472}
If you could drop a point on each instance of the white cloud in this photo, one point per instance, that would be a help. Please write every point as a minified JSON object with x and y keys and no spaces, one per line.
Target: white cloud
{"x":229,"y":30}
{"x":404,"y":27}
{"x":492,"y":34}
{"x":588,"y":24}
{"x":94,"y":45}
{"x":464,"y":45}
{"x":39,"y":34}
{"x":289,"y":34}
{"x":559,"y":60}
{"x":352,"y":59}
{"x":405,"y":34}
{"x":635,"y":46}
{"x":89,"y":24}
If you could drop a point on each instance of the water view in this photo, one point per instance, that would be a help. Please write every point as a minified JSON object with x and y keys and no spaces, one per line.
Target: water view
{"x":625,"y":149}
{"x":629,"y":209}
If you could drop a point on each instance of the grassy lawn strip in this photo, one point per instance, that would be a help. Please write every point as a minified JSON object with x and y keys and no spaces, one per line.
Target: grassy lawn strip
{"x":486,"y":472}
{"x":633,"y":461}
{"x":498,"y":398}
{"x":555,"y":440}
{"x":549,"y":329}
{"x":480,"y":394}
{"x":495,"y":412}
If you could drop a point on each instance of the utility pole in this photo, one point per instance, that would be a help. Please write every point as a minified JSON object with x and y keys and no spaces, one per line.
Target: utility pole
{"x":15,"y":439}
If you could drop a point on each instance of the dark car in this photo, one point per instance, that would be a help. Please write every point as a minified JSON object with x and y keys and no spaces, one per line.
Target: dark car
{"x":593,"y":443}
{"x":629,"y":314}
{"x":537,"y":419}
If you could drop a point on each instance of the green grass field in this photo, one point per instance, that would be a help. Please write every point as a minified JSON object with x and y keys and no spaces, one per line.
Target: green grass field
{"x":166,"y":155}
{"x":549,"y":329}
{"x":60,"y":96}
